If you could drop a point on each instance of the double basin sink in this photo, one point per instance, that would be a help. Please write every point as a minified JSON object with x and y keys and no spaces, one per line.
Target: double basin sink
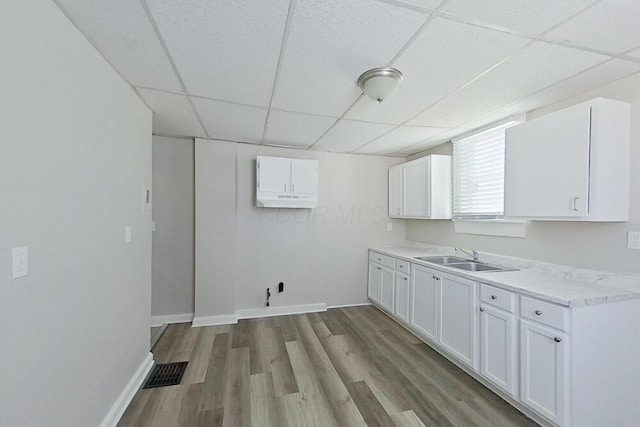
{"x":463,"y":264}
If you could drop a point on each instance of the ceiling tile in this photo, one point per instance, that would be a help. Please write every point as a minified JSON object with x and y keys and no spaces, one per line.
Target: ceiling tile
{"x":601,"y":75}
{"x":124,"y":35}
{"x":231,"y":122}
{"x":224,"y":49}
{"x":173,"y":114}
{"x":349,"y":135}
{"x":426,"y":4}
{"x":617,"y":19}
{"x":635,"y":53}
{"x":441,"y":59}
{"x":530,"y":17}
{"x":331,"y":43}
{"x":400,"y":138}
{"x":528,"y":71}
{"x":295,"y":129}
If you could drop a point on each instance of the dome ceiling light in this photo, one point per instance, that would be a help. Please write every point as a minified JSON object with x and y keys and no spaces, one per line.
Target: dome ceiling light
{"x":380,"y":83}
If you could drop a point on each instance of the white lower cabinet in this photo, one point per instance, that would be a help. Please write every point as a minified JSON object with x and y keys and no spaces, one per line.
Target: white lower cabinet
{"x":401,"y":307}
{"x":457,"y":318}
{"x":543,"y":369}
{"x":375,"y":279}
{"x":424,"y":301}
{"x":498,"y":349}
{"x":387,"y":284}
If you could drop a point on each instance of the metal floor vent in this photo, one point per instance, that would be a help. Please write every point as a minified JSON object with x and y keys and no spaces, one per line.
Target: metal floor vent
{"x":166,"y":374}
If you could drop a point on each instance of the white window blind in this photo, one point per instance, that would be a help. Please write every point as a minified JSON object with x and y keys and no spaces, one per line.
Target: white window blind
{"x":478,"y":174}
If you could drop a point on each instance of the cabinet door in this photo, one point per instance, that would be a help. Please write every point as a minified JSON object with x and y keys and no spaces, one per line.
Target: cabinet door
{"x":401,"y":306}
{"x":415,"y":194}
{"x":542,"y":370}
{"x":274,"y":175}
{"x":387,"y":289}
{"x":395,"y":191}
{"x":458,"y":318}
{"x":547,"y":165}
{"x":375,"y":279}
{"x":304,"y":176}
{"x":424,"y":301}
{"x":498,"y":337}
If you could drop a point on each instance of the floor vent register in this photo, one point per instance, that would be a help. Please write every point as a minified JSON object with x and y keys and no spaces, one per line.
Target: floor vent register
{"x":166,"y":374}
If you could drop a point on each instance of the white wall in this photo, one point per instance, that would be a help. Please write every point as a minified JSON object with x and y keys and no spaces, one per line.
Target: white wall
{"x":75,"y":153}
{"x":173,"y":238}
{"x":320,"y":254}
{"x":599,"y":246}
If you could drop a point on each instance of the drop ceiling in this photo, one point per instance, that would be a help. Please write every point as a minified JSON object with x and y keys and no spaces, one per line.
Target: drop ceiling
{"x":283,"y":72}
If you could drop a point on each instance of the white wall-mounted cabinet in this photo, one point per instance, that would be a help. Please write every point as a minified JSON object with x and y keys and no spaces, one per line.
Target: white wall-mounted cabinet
{"x":421,"y":188}
{"x":286,"y":183}
{"x":570,"y":165}
{"x":395,"y":191}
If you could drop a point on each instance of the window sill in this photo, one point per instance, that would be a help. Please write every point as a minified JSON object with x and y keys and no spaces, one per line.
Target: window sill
{"x":492,"y":227}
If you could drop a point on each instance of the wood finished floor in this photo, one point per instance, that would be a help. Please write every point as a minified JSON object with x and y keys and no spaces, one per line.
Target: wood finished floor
{"x":345,"y":367}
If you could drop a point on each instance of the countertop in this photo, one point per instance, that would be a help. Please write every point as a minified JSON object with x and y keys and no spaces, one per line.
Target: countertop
{"x":549,"y":287}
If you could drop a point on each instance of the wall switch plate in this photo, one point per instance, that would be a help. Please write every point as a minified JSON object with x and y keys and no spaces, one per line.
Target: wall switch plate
{"x":20,"y":262}
{"x":389,"y":226}
{"x":127,"y":234}
{"x":633,"y":240}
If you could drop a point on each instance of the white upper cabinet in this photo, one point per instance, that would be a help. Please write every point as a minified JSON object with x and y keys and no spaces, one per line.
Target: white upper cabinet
{"x":423,"y":190}
{"x":286,"y":183}
{"x":395,"y":191}
{"x":570,"y":165}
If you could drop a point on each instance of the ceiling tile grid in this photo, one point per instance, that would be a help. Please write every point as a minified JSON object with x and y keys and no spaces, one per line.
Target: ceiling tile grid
{"x":399,"y":138}
{"x":445,"y":56}
{"x":172,"y":114}
{"x":349,"y":135}
{"x":331,"y":42}
{"x":231,"y":122}
{"x":526,"y":16}
{"x":226,"y":50}
{"x":532,"y":69}
{"x":612,"y":26}
{"x":295,"y":129}
{"x":124,"y":35}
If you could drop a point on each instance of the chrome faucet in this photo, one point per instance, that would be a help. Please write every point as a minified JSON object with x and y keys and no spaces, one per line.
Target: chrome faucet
{"x":474,"y":254}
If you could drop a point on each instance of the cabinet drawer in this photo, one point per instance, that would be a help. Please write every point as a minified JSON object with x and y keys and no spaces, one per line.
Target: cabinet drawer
{"x":544,"y":312}
{"x":385,"y":260}
{"x":498,"y":297}
{"x":403,"y":266}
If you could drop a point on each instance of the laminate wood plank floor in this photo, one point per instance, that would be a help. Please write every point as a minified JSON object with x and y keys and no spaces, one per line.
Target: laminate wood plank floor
{"x":345,"y":367}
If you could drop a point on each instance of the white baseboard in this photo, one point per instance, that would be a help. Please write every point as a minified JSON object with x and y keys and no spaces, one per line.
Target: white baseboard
{"x":360,"y":304}
{"x":171,"y":318}
{"x":224,"y":319}
{"x":280,"y":311}
{"x":126,"y":396}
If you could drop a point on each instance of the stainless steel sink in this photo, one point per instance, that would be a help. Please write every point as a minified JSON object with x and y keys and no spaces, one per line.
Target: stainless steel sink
{"x":478,"y":266}
{"x":441,"y":259}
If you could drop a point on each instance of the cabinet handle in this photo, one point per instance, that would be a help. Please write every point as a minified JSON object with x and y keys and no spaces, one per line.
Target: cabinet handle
{"x":575,"y":203}
{"x":379,"y":259}
{"x":379,"y":268}
{"x":405,"y":278}
{"x":538,"y":312}
{"x":557,"y":339}
{"x":482,"y":309}
{"x":494,"y":297}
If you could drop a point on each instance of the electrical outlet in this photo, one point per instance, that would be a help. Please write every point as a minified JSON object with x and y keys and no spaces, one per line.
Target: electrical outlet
{"x":389,"y":226}
{"x":127,"y":234}
{"x":20,"y":262}
{"x":633,"y":240}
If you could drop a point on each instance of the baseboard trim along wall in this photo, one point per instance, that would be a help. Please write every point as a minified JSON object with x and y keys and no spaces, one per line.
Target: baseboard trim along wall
{"x":127,"y":394}
{"x":171,"y":318}
{"x":252,"y":313}
{"x":224,"y":319}
{"x":360,"y":304}
{"x":280,"y":311}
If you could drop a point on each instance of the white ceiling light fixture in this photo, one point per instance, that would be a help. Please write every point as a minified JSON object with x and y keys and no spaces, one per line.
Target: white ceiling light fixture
{"x":380,"y":83}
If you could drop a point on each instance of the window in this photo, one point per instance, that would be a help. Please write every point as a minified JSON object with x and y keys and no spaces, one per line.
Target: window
{"x":478,"y":174}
